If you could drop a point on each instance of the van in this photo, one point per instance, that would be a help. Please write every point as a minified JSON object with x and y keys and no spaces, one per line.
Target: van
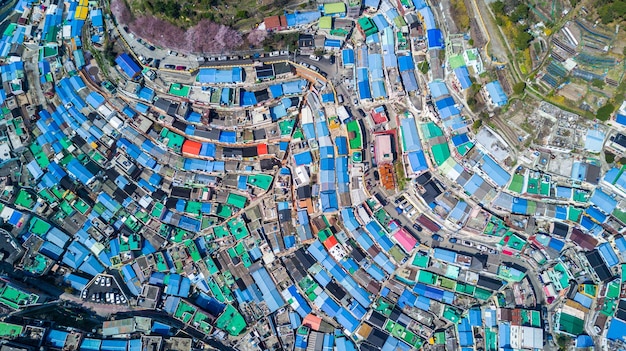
{"x":340,"y":99}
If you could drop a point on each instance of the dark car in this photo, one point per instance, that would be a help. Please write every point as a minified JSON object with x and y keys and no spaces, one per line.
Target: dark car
{"x":452,"y":240}
{"x":151,"y":47}
{"x":170,"y":66}
{"x":181,"y":68}
{"x":437,"y":237}
{"x":361,"y":112}
{"x":332,"y":60}
{"x":418,"y":227}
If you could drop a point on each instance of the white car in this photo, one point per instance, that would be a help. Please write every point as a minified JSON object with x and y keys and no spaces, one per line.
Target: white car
{"x":108,"y":281}
{"x":274,"y":53}
{"x":314,"y":58}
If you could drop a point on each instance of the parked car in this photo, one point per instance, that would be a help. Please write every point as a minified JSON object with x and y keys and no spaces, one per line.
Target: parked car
{"x":437,"y":237}
{"x":181,"y":68}
{"x":332,"y":60}
{"x":170,"y":66}
{"x":314,"y":58}
{"x":418,"y":227}
{"x":361,"y":112}
{"x":453,"y":240}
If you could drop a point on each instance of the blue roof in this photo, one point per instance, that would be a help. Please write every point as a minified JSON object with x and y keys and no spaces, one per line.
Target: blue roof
{"x":438,"y":89}
{"x":51,"y":250}
{"x":418,"y":161}
{"x":594,"y":140}
{"x":444,"y":255}
{"x":302,"y":18}
{"x":405,"y":63}
{"x":409,"y":81}
{"x":428,"y":19}
{"x":57,"y":338}
{"x":563,"y":192}
{"x":435,"y":39}
{"x":271,"y":296}
{"x":462,"y":74}
{"x":91,"y":266}
{"x":603,"y":201}
{"x":608,"y":254}
{"x":303,"y":158}
{"x":76,"y":282}
{"x":347,"y":56}
{"x":473,"y":184}
{"x":332,"y":43}
{"x":79,"y":172}
{"x":446,"y":107}
{"x":329,"y":201}
{"x":495,"y":172}
{"x":410,"y":135}
{"x":372,"y":3}
{"x":224,"y":75}
{"x":496,"y":93}
{"x":128,"y":65}
{"x":113,"y":345}
{"x":621,"y":119}
{"x":584,"y":341}
{"x":57,"y":237}
{"x":594,"y":213}
{"x":89,"y":344}
{"x":617,"y":330}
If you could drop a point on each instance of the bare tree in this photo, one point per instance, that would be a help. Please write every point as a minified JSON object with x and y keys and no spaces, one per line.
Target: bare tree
{"x":256,"y":37}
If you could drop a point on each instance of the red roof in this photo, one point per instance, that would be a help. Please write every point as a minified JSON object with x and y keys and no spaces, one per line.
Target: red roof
{"x":261,"y":149}
{"x":275,"y":22}
{"x":428,"y":223}
{"x":192,"y":147}
{"x":379,"y":117}
{"x":330,"y":242}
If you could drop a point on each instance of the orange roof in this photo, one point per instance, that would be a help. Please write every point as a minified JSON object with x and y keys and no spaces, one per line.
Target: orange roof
{"x":261,"y":149}
{"x":312,"y":321}
{"x":275,"y":22}
{"x":386,"y":176}
{"x":330,"y":242}
{"x":192,"y":147}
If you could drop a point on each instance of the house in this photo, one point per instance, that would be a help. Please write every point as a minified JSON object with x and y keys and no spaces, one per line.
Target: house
{"x":274,"y":23}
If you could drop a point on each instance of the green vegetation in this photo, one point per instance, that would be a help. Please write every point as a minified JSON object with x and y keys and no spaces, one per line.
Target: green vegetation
{"x":604,"y":112}
{"x":460,"y":14}
{"x":611,"y":10}
{"x":423,"y":67}
{"x":476,"y":125}
{"x":507,"y":15}
{"x":609,"y":157}
{"x":237,"y":14}
{"x":277,"y":41}
{"x":519,"y":88}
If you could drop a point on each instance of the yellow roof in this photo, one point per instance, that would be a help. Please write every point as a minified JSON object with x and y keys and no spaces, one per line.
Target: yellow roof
{"x":83,"y":3}
{"x":81,"y":13}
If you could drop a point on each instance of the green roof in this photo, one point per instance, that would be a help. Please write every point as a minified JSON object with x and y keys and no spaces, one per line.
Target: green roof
{"x":236,"y":200}
{"x":326,"y":22}
{"x":8,"y":330}
{"x":456,"y":61}
{"x":263,"y":181}
{"x":517,"y":184}
{"x":367,"y":26}
{"x":231,"y":321}
{"x":431,"y":130}
{"x":179,"y":90}
{"x":570,"y":324}
{"x":354,"y":135}
{"x":441,"y":152}
{"x":38,"y":226}
{"x":334,"y":8}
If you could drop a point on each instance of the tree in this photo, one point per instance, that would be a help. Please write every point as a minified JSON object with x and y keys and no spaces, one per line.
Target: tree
{"x":498,"y":7}
{"x":121,"y":12}
{"x":256,"y":37}
{"x":597,"y":83}
{"x":241,"y":14}
{"x":519,"y":88}
{"x":523,"y":39}
{"x":470,"y":42}
{"x":520,"y":13}
{"x":605,"y":111}
{"x":423,"y":67}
